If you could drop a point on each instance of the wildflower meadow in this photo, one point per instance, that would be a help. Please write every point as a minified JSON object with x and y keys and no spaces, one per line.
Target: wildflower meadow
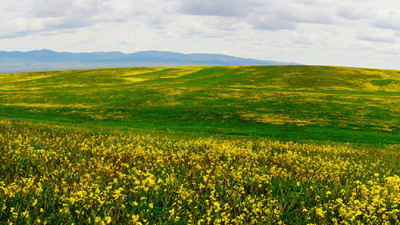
{"x":61,"y":175}
{"x":201,"y":145}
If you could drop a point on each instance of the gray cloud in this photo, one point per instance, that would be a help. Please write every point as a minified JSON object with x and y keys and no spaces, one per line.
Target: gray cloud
{"x":284,"y":27}
{"x":387,"y":19}
{"x":270,"y":22}
{"x":377,"y":38}
{"x":229,"y":8}
{"x":377,"y":35}
{"x":352,"y":12}
{"x":48,"y":8}
{"x":304,"y":14}
{"x":315,"y":2}
{"x":306,"y":39}
{"x":265,"y":15}
{"x":31,"y":16}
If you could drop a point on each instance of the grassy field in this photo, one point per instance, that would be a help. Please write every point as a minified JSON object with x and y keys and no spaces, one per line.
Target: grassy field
{"x":297,"y":103}
{"x":201,"y":145}
{"x":62,"y":175}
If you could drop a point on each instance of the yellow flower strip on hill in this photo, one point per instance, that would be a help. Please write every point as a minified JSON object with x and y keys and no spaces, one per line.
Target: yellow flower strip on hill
{"x":57,"y":175}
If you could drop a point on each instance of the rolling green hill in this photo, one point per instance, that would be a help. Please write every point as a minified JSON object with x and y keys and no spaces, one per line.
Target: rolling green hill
{"x":299,"y":103}
{"x":201,"y":145}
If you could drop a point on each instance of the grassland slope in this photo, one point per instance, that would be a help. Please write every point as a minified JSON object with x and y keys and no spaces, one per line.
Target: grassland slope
{"x":296,"y":103}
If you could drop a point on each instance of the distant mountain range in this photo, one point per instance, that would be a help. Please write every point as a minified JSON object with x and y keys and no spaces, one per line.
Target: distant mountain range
{"x":44,"y":60}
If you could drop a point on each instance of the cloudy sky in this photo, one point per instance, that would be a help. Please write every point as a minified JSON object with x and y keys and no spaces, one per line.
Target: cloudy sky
{"x":359,"y":33}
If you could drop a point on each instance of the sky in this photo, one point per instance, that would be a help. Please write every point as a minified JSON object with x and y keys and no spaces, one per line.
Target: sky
{"x":356,"y":33}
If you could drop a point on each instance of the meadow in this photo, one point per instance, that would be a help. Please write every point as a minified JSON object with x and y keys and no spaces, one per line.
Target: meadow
{"x":201,"y":145}
{"x":287,"y":103}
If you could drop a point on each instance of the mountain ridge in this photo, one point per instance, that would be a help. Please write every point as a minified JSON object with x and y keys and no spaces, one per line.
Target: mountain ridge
{"x":41,"y":60}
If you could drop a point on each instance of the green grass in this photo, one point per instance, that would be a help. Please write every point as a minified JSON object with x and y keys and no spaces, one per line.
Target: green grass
{"x":64,"y":175}
{"x":298,"y":103}
{"x":201,"y":145}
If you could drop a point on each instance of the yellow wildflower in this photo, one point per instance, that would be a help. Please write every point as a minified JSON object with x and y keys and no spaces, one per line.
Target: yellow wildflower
{"x":108,"y":219}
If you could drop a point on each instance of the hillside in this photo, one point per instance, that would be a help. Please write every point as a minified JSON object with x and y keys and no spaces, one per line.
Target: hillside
{"x":299,"y":103}
{"x":200,"y":145}
{"x":45,"y":60}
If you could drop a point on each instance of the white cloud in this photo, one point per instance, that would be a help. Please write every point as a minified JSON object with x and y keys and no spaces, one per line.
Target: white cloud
{"x":377,"y":35}
{"x":84,"y":40}
{"x":270,"y":22}
{"x":305,"y":40}
{"x":304,"y":14}
{"x":351,"y":11}
{"x":393,"y":50}
{"x":387,"y":19}
{"x":266,"y":15}
{"x":42,"y":15}
{"x":306,"y":31}
{"x":230,"y":8}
